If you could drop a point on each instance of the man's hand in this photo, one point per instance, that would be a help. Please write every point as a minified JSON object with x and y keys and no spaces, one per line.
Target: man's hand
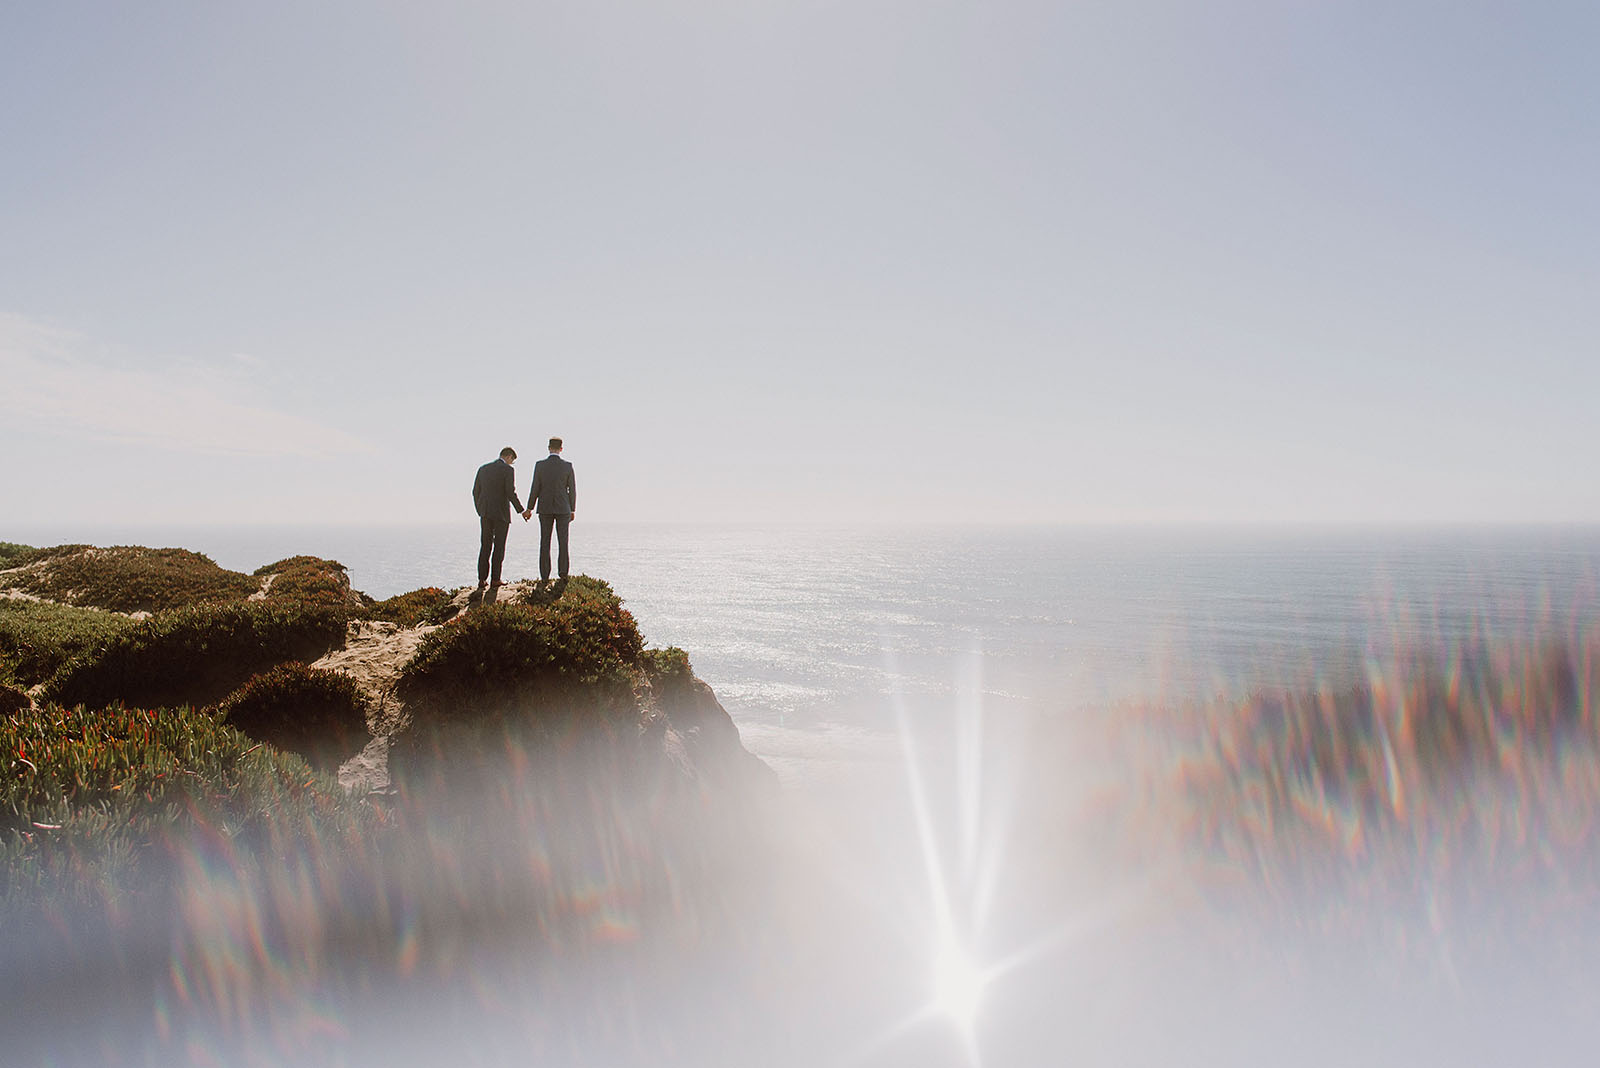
{"x":573,"y":516}
{"x":528,"y":514}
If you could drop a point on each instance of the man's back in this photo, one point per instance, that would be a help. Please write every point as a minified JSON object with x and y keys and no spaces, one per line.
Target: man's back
{"x":554,"y":490}
{"x":494,"y":491}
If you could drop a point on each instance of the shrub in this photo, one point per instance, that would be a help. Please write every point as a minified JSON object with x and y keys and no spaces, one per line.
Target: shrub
{"x":197,"y":655}
{"x":308,"y":579}
{"x":11,"y":553}
{"x":517,"y":673}
{"x":322,"y":715}
{"x":567,"y":644}
{"x":12,"y":700}
{"x":129,"y":578}
{"x":94,"y":804}
{"x":668,"y":669}
{"x":430,"y":606}
{"x":27,"y":555}
{"x":38,"y":637}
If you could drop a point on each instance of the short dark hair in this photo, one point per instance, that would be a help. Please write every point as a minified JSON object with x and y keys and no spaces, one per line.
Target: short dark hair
{"x":508,"y":451}
{"x":555,"y":443}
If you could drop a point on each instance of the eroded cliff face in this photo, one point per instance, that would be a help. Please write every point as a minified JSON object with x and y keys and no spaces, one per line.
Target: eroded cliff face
{"x":698,"y":727}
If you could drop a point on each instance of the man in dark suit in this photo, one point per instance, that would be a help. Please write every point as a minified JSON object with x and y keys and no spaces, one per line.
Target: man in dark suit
{"x":494,"y":493}
{"x":555,"y":494}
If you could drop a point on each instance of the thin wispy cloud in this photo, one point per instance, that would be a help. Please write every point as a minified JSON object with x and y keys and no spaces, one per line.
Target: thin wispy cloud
{"x":61,"y":380}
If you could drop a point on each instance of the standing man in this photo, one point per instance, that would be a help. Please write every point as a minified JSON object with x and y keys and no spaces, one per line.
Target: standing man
{"x":555,"y":493}
{"x":494,"y":492}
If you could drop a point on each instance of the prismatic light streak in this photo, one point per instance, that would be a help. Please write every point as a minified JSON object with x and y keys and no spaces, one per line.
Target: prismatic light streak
{"x":956,"y":978}
{"x":984,"y":778}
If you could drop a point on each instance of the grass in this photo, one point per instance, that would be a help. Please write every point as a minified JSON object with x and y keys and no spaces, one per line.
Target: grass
{"x":197,"y":655}
{"x":37,"y":638}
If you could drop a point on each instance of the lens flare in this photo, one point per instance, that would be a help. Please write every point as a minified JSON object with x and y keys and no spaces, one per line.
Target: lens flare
{"x":958,"y":984}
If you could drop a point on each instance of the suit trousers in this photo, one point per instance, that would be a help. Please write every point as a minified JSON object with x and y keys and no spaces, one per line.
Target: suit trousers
{"x":559,"y":523}
{"x":492,"y":552}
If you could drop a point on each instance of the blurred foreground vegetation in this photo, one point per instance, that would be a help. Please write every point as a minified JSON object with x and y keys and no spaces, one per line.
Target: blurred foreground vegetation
{"x":170,"y":817}
{"x":1454,"y":785}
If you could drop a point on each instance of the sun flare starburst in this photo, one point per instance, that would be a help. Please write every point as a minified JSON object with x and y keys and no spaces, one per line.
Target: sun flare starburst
{"x":958,"y":984}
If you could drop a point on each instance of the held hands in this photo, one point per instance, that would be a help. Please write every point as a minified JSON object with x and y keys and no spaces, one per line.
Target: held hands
{"x":527,"y":515}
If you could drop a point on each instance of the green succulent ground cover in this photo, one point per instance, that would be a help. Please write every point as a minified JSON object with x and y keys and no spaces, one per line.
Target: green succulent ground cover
{"x":322,"y":715}
{"x":307,"y":580}
{"x":204,"y":639}
{"x":566,"y":642}
{"x":564,"y":668}
{"x":667,"y":669}
{"x":130,"y":578}
{"x":112,"y":773}
{"x":197,"y":655}
{"x":94,"y":805}
{"x":38,"y":638}
{"x":429,"y":605}
{"x":12,"y":699}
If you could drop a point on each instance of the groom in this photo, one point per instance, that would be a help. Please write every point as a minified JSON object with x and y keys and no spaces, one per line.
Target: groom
{"x":494,"y":492}
{"x":555,"y":493}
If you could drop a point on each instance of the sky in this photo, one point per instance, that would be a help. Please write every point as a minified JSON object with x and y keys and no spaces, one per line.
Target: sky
{"x":801,"y":260}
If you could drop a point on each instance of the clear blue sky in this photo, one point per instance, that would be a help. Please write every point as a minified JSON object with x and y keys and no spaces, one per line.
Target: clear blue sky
{"x":802,"y":259}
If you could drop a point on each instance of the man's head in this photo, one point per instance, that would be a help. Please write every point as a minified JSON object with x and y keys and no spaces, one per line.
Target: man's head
{"x":555,"y":444}
{"x":508,"y":454}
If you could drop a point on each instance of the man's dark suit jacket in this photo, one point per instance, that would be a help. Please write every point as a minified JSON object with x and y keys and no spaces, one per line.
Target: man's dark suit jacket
{"x":554,"y":490}
{"x":494,"y":491}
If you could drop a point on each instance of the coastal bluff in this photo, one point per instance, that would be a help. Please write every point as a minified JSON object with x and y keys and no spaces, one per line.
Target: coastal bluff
{"x":293,"y":642}
{"x":208,"y":773}
{"x":148,"y":693}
